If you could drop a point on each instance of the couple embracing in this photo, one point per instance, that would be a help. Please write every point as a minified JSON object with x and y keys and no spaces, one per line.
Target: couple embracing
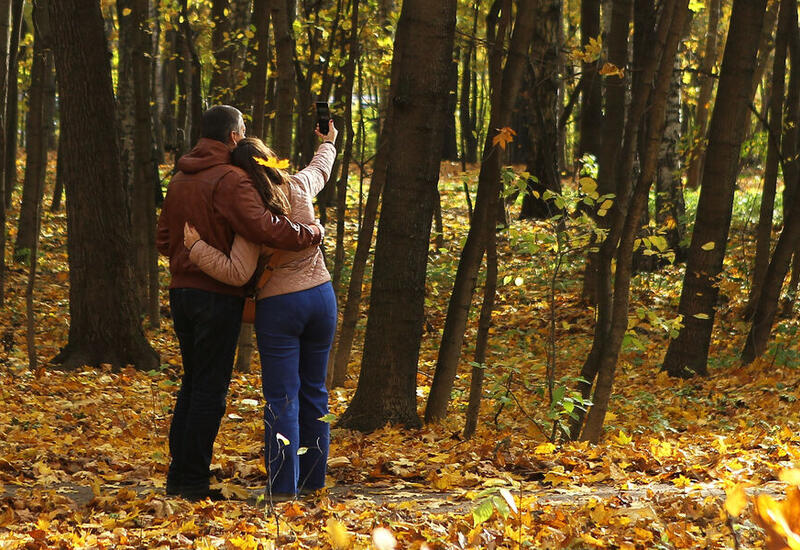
{"x":230,"y":212}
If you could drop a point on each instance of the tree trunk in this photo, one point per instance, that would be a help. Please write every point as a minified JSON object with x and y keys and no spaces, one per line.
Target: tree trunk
{"x":37,"y":122}
{"x":775,"y":131}
{"x":543,"y":106}
{"x":482,"y":339}
{"x":258,"y":71}
{"x":483,"y":219}
{"x":167,"y":99}
{"x":706,"y":80}
{"x":469,"y":139}
{"x":192,"y":85}
{"x":688,"y":353}
{"x":612,"y":131}
{"x":591,"y":119}
{"x":5,"y":36}
{"x":285,"y":90}
{"x":145,"y":170}
{"x":338,"y":374}
{"x":12,"y":103}
{"x":244,"y":348}
{"x":126,"y":103}
{"x":423,"y":52}
{"x":791,"y":132}
{"x":767,"y":302}
{"x":670,"y":207}
{"x":450,"y":147}
{"x":104,"y":323}
{"x":346,"y":99}
{"x":791,"y":164}
{"x":673,"y":15}
{"x":603,"y":353}
{"x":223,"y":47}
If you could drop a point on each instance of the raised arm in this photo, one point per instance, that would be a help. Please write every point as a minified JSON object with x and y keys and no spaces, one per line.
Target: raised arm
{"x":313,"y":177}
{"x":235,"y":270}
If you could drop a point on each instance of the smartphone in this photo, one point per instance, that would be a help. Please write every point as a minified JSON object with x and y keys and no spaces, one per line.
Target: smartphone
{"x":323,"y":117}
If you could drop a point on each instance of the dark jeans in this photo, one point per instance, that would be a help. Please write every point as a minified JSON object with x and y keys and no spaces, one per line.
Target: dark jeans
{"x":295,"y":332}
{"x":207,"y":325}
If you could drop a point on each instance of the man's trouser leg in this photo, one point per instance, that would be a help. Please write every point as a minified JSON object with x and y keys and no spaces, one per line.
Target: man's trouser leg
{"x":207,"y":325}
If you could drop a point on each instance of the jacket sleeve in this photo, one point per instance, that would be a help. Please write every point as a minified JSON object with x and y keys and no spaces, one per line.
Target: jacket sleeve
{"x":313,"y":177}
{"x":235,"y":270}
{"x":238,"y":202}
{"x":162,"y":234}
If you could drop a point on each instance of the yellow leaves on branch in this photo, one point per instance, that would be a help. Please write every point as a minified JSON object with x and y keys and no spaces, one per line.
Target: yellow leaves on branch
{"x":504,"y":137}
{"x":591,"y":51}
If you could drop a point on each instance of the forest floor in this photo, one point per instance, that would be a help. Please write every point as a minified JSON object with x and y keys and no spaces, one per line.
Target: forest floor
{"x":83,"y":453}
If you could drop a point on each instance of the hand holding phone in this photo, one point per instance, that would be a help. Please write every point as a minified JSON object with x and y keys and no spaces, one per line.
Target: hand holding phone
{"x":323,"y":116}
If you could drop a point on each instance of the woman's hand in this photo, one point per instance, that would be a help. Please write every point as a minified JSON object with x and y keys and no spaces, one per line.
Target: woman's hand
{"x":330,"y":136}
{"x":190,"y":236}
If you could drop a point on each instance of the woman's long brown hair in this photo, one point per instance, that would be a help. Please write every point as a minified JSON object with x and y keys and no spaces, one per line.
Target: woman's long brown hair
{"x":267,"y":180}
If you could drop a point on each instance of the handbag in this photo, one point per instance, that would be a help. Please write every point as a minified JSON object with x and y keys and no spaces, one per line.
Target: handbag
{"x":249,"y":310}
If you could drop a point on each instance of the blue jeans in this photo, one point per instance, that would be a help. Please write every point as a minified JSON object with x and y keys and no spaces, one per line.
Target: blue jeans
{"x":295,"y":332}
{"x":207,"y":325}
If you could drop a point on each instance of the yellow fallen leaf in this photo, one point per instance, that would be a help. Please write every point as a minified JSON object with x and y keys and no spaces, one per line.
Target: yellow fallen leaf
{"x":681,"y":481}
{"x":622,"y":438}
{"x":337,"y":532}
{"x":735,"y":501}
{"x":792,"y":477}
{"x":544,"y":449}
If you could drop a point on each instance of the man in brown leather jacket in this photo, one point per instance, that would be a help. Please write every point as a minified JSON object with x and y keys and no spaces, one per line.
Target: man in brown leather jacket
{"x":219,"y":200}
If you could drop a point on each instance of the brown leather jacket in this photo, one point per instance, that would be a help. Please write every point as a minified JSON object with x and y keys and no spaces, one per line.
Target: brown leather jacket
{"x":219,"y":200}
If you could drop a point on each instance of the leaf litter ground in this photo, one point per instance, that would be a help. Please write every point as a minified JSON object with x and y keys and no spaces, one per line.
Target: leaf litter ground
{"x":84,"y":453}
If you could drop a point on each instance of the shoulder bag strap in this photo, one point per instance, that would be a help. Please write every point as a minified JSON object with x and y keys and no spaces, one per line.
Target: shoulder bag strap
{"x":269,"y":269}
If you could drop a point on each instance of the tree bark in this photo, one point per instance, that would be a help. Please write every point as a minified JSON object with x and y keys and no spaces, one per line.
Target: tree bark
{"x":37,"y":124}
{"x":12,"y":103}
{"x":670,"y":206}
{"x":673,"y":15}
{"x":192,"y":84}
{"x":258,"y":71}
{"x":613,"y":129}
{"x":450,"y":148}
{"x":543,"y":107}
{"x":775,"y":131}
{"x":603,"y":354}
{"x":482,"y":339}
{"x":767,"y":303}
{"x":244,"y":348}
{"x":423,"y":52}
{"x":591,"y":119}
{"x":346,"y":99}
{"x":5,"y":35}
{"x":706,"y":80}
{"x":469,"y":139}
{"x":483,"y":219}
{"x":285,"y":90}
{"x":104,"y":323}
{"x":145,"y":171}
{"x":688,"y":354}
{"x":338,"y":373}
{"x":223,"y":48}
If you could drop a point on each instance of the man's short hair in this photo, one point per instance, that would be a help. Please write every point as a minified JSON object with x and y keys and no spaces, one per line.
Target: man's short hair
{"x":219,"y":121}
